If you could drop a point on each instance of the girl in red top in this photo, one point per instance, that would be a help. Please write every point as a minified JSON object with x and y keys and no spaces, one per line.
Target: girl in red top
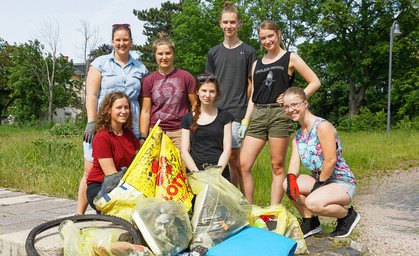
{"x":114,"y":145}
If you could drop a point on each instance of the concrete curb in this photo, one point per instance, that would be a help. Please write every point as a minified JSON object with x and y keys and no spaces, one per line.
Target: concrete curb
{"x":20,"y":213}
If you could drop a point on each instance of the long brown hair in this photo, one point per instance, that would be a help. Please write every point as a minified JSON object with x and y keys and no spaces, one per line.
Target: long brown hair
{"x":197,"y":109}
{"x":270,"y":25}
{"x":103,"y":118}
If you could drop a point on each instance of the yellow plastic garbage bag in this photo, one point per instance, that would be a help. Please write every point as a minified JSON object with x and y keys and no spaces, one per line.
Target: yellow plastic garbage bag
{"x":120,"y":202}
{"x":165,"y":225}
{"x":142,"y":172}
{"x":101,"y":238}
{"x":74,"y":243}
{"x":286,"y":223}
{"x":95,"y":241}
{"x":172,"y":182}
{"x":220,"y":210}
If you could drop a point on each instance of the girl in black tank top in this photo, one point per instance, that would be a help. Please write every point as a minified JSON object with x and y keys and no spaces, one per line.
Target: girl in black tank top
{"x":271,"y":76}
{"x":271,"y":80}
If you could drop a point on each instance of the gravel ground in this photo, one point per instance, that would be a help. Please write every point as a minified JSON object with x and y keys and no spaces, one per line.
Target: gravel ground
{"x":389,"y":209}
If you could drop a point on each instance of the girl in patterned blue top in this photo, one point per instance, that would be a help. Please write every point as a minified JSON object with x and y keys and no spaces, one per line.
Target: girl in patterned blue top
{"x":331,"y":184}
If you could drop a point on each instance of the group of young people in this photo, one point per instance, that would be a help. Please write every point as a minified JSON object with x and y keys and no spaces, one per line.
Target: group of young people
{"x":237,"y":105}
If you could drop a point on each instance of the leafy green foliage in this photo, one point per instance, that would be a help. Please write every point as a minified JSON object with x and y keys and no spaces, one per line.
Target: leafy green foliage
{"x":31,"y":93}
{"x":6,"y":63}
{"x":99,"y":51}
{"x":27,"y":96}
{"x":408,"y":125}
{"x":67,"y":128}
{"x":156,"y":21}
{"x":365,"y":121}
{"x":351,"y":46}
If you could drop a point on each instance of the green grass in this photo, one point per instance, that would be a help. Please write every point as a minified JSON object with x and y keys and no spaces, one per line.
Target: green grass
{"x":33,"y":160}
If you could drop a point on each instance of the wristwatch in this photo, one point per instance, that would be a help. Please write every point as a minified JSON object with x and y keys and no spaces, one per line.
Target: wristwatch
{"x":141,"y":138}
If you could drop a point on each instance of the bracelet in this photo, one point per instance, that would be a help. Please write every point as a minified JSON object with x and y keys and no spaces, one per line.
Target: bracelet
{"x":91,"y":123}
{"x":245,"y":122}
{"x":141,"y":138}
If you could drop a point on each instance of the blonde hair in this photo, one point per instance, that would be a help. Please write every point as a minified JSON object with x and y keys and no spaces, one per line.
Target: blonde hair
{"x":229,"y":7}
{"x":294,"y":90}
{"x":270,"y":25}
{"x":163,"y":40}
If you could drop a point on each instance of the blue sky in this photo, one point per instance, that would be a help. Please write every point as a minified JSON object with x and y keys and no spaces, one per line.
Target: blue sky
{"x":22,"y":20}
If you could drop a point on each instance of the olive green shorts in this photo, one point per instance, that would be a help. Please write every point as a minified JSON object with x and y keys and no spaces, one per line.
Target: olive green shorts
{"x":269,"y":122}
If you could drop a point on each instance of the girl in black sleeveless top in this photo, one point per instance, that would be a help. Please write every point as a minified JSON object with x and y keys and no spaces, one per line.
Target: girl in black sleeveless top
{"x":271,"y":76}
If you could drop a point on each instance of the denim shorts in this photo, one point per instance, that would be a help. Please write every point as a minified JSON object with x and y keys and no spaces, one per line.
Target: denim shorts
{"x":87,"y":151}
{"x":348,"y":186}
{"x":236,"y":141}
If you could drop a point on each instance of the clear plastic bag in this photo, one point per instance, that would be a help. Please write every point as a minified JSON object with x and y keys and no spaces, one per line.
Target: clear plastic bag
{"x":280,"y":221}
{"x":165,"y":225}
{"x":220,"y":210}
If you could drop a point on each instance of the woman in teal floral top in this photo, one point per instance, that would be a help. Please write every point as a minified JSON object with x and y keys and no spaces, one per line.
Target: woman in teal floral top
{"x":331,"y":185}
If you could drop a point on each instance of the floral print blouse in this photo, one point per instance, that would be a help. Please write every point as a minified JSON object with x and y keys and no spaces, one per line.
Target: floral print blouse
{"x":311,"y":155}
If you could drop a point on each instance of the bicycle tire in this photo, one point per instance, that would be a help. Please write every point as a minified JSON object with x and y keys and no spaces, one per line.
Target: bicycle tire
{"x":30,"y":240}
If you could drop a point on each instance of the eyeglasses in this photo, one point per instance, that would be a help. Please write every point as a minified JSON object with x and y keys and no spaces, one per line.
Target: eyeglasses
{"x":293,"y":105}
{"x":206,"y":78}
{"x":114,"y":26}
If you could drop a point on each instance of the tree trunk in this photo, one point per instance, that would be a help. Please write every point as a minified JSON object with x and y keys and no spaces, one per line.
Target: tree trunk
{"x":50,"y":113}
{"x":355,"y":98}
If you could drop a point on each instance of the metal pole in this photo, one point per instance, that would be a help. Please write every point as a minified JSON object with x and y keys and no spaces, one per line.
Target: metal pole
{"x":389,"y":79}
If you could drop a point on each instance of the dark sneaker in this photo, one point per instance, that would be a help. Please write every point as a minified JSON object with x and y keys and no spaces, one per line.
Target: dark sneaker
{"x":346,"y":224}
{"x":311,"y":226}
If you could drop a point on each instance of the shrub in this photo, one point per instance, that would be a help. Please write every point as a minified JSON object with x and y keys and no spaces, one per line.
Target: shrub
{"x":67,"y":128}
{"x":365,"y":121}
{"x":407,"y":124}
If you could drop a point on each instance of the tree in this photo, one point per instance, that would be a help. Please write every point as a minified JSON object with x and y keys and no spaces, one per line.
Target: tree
{"x":6,"y":64}
{"x":100,"y":50}
{"x":30,"y":88}
{"x":345,"y":42}
{"x":350,"y":45}
{"x":290,"y":15}
{"x":156,"y":21}
{"x":44,"y":71}
{"x":90,"y":40}
{"x":27,"y":97}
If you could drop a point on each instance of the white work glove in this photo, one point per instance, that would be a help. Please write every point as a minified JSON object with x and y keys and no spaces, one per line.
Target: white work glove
{"x":243,"y":128}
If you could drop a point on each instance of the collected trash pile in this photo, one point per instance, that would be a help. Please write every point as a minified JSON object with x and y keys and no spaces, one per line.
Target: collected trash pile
{"x":178,"y":214}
